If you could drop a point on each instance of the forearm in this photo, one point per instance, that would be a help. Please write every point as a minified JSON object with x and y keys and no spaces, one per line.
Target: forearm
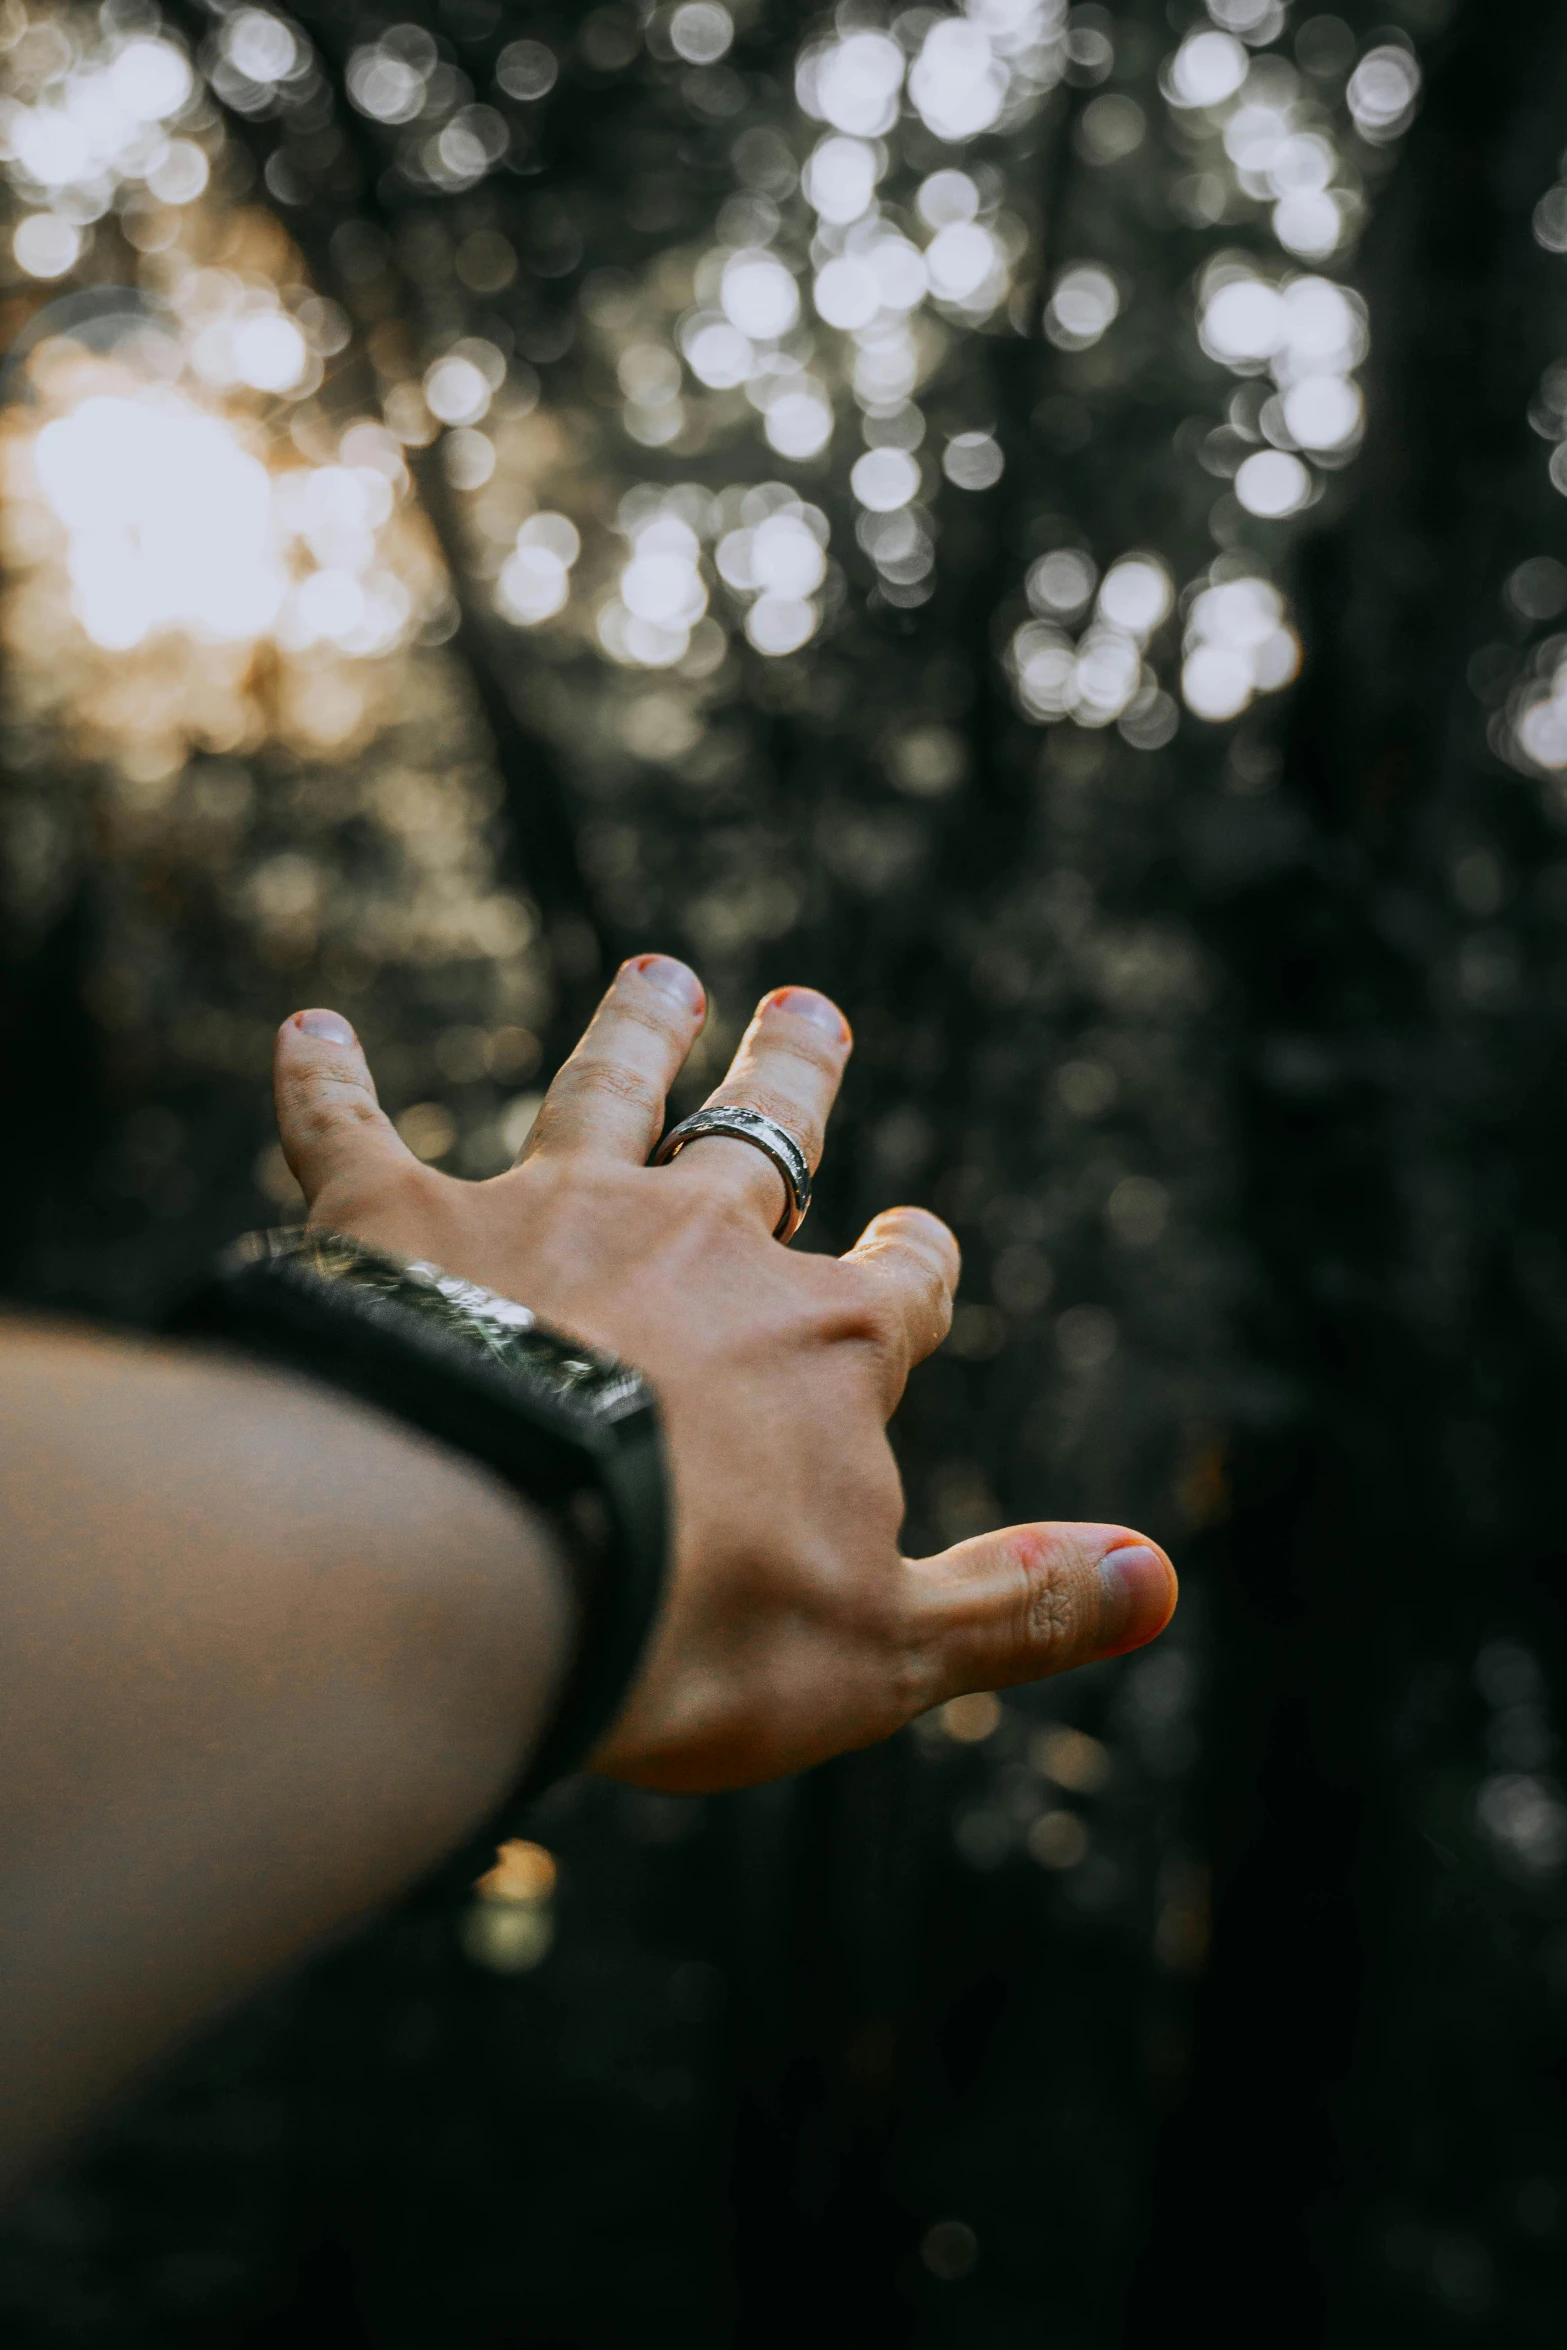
{"x":264,"y":1657}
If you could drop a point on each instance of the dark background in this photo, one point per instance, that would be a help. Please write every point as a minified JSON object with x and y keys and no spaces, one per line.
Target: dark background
{"x":1282,"y":2056}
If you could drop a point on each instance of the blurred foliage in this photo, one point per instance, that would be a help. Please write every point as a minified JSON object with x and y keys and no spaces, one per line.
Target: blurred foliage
{"x":610,"y":587}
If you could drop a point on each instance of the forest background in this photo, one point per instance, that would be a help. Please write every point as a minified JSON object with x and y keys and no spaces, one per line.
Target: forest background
{"x":1047,"y":524}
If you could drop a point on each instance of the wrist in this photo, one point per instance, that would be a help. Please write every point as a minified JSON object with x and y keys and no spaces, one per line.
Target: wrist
{"x":574,"y":1433}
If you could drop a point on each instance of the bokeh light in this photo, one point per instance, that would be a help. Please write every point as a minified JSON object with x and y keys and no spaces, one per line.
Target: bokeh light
{"x":1238,"y":644}
{"x":973,"y":460}
{"x":842,"y":265}
{"x":1061,"y":583}
{"x":957,"y":82}
{"x":758,"y":295}
{"x":527,"y":70}
{"x":852,"y":83}
{"x":1272,"y":483}
{"x":701,"y":31}
{"x":1084,"y":302}
{"x":840,"y":178}
{"x":1207,"y":68}
{"x":535,"y":579}
{"x":170,"y":522}
{"x":1382,"y":92}
{"x":884,"y":479}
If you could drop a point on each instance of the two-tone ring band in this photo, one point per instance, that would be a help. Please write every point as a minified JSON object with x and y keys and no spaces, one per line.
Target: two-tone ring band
{"x":775,"y":1142}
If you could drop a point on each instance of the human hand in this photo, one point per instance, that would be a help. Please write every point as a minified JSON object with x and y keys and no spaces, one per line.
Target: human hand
{"x":792,"y":1627}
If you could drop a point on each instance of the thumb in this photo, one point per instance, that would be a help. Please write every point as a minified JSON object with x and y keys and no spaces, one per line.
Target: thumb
{"x":1028,"y":1601}
{"x":329,"y":1121}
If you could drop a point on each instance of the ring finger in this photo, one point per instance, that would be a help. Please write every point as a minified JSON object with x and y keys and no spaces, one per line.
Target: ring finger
{"x":789,"y":1065}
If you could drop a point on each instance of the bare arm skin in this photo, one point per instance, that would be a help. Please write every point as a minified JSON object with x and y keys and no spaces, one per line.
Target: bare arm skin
{"x":265,"y":1656}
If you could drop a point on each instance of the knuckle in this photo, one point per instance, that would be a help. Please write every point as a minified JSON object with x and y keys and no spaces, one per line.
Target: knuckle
{"x":716,"y":1220}
{"x":888,"y":1323}
{"x":884,"y":1331}
{"x":903,"y":1302}
{"x":537,"y":1152}
{"x":937,"y":1304}
{"x":1051,"y":1611}
{"x":733,"y":1180}
{"x":602,"y":1080}
{"x":918,"y":1228}
{"x":918,"y":1680}
{"x":790,"y":1045}
{"x":341,"y":1116}
{"x":1052,"y":1620}
{"x":904,"y":1674}
{"x":628,"y":1012}
{"x":783,"y":1108}
{"x":865,"y":1303}
{"x":713,"y":1231}
{"x":922,"y":1241}
{"x":927,"y":1285}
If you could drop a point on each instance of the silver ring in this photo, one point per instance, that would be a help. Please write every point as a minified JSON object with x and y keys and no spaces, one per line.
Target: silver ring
{"x":775,"y":1142}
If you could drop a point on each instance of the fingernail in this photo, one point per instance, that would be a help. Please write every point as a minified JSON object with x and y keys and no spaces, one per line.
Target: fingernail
{"x":676,"y":979}
{"x":806,"y":1004}
{"x":1139,"y":1588}
{"x":331,"y":1027}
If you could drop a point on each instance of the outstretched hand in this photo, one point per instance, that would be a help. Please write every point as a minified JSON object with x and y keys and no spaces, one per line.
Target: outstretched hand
{"x":793,"y":1629}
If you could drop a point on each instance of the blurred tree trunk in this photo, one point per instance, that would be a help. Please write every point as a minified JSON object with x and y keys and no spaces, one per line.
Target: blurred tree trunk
{"x":1363,"y":2146}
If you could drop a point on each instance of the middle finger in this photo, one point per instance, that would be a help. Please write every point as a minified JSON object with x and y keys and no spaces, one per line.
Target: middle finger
{"x":608,"y":1098}
{"x":789,"y":1065}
